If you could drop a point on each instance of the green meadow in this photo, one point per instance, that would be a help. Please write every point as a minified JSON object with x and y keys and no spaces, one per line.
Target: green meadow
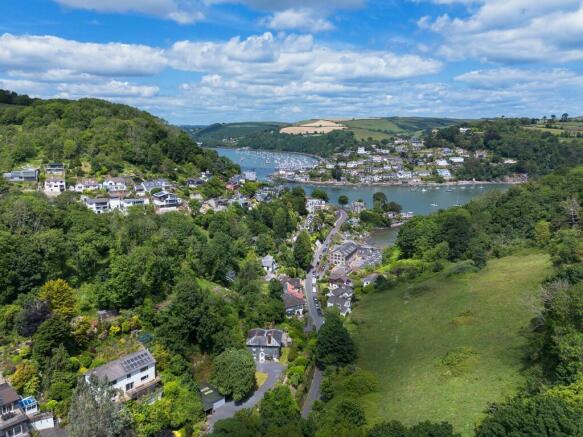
{"x":446,"y":347}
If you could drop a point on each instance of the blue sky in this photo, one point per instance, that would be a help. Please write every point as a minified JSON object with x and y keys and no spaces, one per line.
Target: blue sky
{"x":205,"y":61}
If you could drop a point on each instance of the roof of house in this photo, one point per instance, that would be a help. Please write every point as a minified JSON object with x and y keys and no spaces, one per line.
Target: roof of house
{"x":346,"y":249}
{"x":292,"y":301}
{"x":267,"y":261}
{"x":340,"y":302}
{"x":293,"y":286}
{"x":343,"y":290}
{"x":266,"y":337}
{"x":338,"y":274}
{"x":371,"y":278}
{"x":7,"y":394}
{"x":209,"y":395}
{"x":127,"y":364}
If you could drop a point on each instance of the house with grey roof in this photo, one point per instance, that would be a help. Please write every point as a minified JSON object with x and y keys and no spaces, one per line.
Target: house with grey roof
{"x":343,"y":253}
{"x":369,"y":279}
{"x":25,"y":175}
{"x":268,"y":264}
{"x":55,"y":169}
{"x":266,"y":344}
{"x":343,"y":304}
{"x":211,"y":398}
{"x":13,"y":421}
{"x":133,"y":375}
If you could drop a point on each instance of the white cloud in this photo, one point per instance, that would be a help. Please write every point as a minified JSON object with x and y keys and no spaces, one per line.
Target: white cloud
{"x":301,"y":19}
{"x":112,"y":88}
{"x":277,"y":58}
{"x":280,"y":5}
{"x":181,"y":11}
{"x":53,"y":53}
{"x":513,"y":31}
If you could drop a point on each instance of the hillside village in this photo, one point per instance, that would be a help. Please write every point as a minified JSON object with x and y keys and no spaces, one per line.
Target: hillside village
{"x":404,"y":160}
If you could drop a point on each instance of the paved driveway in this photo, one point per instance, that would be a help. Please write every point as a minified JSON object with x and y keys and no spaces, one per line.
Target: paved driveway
{"x":274,"y":372}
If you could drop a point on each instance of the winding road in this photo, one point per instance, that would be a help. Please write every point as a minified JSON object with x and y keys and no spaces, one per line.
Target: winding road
{"x":315,"y":320}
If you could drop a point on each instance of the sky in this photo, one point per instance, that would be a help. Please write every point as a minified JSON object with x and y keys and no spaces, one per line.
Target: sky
{"x":206,"y":61}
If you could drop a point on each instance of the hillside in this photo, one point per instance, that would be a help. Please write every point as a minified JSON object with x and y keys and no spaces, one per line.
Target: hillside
{"x":470,"y":327}
{"x":221,"y":131}
{"x":381,"y":128}
{"x":96,"y":137}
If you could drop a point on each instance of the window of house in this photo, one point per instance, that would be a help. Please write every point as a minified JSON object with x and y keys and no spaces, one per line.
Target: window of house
{"x":17,"y":430}
{"x":129,"y":375}
{"x":129,"y":386}
{"x":144,"y":377}
{"x":143,"y":369}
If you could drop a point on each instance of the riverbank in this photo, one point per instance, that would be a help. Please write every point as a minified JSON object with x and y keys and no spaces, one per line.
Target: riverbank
{"x":402,"y":185}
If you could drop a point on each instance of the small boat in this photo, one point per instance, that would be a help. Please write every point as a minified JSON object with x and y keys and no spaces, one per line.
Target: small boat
{"x":434,"y":205}
{"x":449,"y":190}
{"x":424,"y":190}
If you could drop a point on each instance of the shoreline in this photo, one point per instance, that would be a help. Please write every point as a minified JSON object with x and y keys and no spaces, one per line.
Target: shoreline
{"x":391,"y":184}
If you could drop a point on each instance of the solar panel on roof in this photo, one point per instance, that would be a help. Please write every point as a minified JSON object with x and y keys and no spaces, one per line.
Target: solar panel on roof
{"x":135,"y":362}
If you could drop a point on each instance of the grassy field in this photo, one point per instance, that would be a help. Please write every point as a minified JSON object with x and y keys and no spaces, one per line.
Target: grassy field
{"x":446,"y":347}
{"x":379,"y":128}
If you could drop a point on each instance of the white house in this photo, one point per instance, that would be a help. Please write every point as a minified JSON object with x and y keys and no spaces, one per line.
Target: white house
{"x":444,"y":173}
{"x":55,"y":185}
{"x":313,"y":205}
{"x":456,"y":160}
{"x":132,"y":375}
{"x":98,"y":206}
{"x":114,"y":184}
{"x":250,"y":176}
{"x":268,"y":264}
{"x":441,"y":163}
{"x":86,"y":185}
{"x":164,"y":199}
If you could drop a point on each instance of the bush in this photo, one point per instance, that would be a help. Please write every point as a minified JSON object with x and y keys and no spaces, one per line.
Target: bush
{"x":462,"y":267}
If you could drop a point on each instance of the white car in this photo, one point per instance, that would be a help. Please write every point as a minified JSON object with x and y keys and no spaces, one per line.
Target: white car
{"x":314,"y":289}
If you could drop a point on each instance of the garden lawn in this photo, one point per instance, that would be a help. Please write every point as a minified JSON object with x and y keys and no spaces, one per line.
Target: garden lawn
{"x":444,"y":348}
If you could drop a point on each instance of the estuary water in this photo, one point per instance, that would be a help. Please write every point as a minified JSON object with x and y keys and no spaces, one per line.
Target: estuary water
{"x":265,"y":163}
{"x":418,"y":200}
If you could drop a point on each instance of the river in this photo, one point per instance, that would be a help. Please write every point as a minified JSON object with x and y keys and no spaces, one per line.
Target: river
{"x":265,"y":163}
{"x":419,"y":200}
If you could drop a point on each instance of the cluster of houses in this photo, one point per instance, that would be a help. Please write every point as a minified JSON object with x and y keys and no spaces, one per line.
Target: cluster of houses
{"x":21,"y":416}
{"x":54,"y":182}
{"x":404,"y":161}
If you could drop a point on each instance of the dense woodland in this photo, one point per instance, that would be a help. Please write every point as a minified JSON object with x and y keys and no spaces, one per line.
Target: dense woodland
{"x":324,"y":145}
{"x":95,"y":137}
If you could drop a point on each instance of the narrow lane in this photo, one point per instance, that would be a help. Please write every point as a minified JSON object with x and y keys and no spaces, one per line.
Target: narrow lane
{"x":316,"y":320}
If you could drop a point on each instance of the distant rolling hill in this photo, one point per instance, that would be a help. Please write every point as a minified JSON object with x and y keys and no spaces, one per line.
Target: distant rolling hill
{"x":220,"y":131}
{"x":384,"y":127}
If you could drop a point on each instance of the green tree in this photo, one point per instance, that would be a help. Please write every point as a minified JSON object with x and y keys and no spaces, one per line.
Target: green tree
{"x":94,"y":413}
{"x":234,"y":373}
{"x":335,"y":347}
{"x":319,"y":193}
{"x":26,"y":379}
{"x":278,"y":409}
{"x":542,"y":232}
{"x":303,"y":251}
{"x":538,"y":416}
{"x":393,"y":428}
{"x":343,"y":200}
{"x":50,"y":335}
{"x":60,"y":297}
